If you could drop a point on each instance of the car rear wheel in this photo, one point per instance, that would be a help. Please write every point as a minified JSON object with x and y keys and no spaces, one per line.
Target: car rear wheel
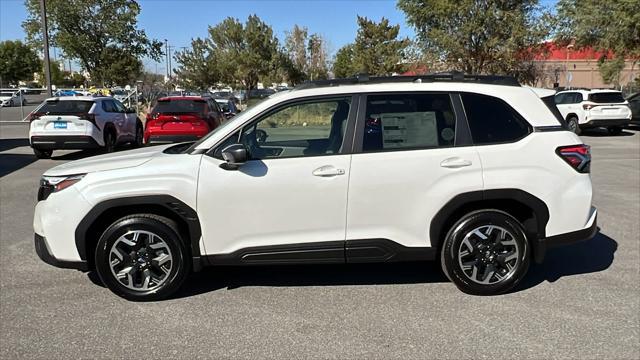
{"x":42,"y":154}
{"x":573,"y":125}
{"x":109,"y":141}
{"x":142,"y":257}
{"x":615,"y":130}
{"x":139,"y":141}
{"x":486,"y":253}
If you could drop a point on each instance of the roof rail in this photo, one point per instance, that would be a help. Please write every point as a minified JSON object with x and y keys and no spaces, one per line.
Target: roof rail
{"x":435,"y":77}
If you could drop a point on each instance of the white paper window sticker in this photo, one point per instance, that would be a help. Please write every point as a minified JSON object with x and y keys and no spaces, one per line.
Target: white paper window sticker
{"x":409,"y":130}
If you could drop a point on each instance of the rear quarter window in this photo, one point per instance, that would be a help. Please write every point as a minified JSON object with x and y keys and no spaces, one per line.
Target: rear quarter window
{"x":606,"y":97}
{"x":492,"y":121}
{"x":66,"y":107}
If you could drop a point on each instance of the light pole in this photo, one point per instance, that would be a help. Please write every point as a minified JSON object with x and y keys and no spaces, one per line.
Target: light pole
{"x":45,"y":37}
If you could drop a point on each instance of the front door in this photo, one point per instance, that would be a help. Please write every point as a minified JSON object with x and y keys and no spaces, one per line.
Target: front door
{"x":293,"y":190}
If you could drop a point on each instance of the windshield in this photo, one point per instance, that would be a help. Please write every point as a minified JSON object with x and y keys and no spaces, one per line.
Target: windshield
{"x":66,"y":107}
{"x":181,"y":106}
{"x":606,"y":97}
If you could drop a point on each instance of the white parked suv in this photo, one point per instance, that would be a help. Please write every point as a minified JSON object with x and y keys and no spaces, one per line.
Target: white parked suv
{"x":82,"y":122}
{"x":594,"y":108}
{"x":474,"y":171}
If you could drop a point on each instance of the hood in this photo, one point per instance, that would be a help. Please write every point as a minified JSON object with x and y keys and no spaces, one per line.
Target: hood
{"x":4,"y":98}
{"x":119,"y":160}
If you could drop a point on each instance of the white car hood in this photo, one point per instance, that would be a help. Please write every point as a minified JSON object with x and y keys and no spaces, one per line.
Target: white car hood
{"x":119,"y":160}
{"x":4,"y":98}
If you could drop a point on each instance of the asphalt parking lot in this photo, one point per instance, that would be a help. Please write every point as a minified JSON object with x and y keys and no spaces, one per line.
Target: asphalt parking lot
{"x":583,"y":302}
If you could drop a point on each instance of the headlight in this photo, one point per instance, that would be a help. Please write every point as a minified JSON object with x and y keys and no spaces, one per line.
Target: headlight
{"x":51,"y":184}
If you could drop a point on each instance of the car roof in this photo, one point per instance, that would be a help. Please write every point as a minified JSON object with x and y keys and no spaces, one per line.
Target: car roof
{"x":77,"y":98}
{"x":186,"y":97}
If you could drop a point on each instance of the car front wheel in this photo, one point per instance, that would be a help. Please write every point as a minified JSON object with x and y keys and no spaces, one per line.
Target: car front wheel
{"x":486,"y":253}
{"x":142,"y":257}
{"x":615,"y":130}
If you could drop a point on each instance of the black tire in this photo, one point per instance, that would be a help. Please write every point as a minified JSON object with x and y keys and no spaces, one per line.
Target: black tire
{"x":573,"y":125}
{"x":615,"y":130}
{"x":42,"y":154}
{"x":109,"y":141}
{"x":24,"y":102}
{"x":487,"y":254}
{"x":139,"y":140}
{"x":163,"y":228}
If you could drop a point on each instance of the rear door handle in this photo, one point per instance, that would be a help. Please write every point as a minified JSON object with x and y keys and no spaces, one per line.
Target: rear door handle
{"x":455,"y":162}
{"x":327,"y":171}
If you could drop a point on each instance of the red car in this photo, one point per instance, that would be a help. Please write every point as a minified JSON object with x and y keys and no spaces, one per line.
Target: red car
{"x":181,"y":119}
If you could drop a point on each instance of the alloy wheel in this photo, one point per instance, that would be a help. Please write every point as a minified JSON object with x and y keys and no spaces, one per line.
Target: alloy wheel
{"x":140,"y":260}
{"x":489,"y":254}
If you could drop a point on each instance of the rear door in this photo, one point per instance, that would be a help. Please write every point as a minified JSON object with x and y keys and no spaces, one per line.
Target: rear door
{"x":114,"y":116}
{"x":128,"y":120}
{"x":412,"y":156}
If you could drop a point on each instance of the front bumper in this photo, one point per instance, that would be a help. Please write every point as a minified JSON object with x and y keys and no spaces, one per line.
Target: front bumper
{"x":605,"y":123}
{"x":542,"y":245}
{"x":42,"y":249}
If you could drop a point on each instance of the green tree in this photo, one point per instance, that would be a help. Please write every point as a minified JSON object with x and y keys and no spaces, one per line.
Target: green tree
{"x":479,"y":36}
{"x":197,"y":66}
{"x":377,"y":50}
{"x":91,"y":31}
{"x":616,"y":28}
{"x":17,"y":62}
{"x":344,"y":63}
{"x":119,"y":67}
{"x":245,"y":54}
{"x":307,"y":54}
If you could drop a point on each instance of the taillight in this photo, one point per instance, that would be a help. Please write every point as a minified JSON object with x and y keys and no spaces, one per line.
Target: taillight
{"x":577,"y":156}
{"x":89,"y":117}
{"x":588,"y":106}
{"x":34,"y":116}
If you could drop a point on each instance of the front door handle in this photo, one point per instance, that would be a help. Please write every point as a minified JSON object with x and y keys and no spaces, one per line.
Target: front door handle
{"x":328,"y":170}
{"x":455,"y":162}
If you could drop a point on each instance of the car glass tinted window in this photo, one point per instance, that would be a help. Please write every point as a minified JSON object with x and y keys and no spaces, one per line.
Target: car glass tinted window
{"x":66,"y":107}
{"x":492,"y":121}
{"x":118,"y":106}
{"x":408,"y":121}
{"x":606,"y":97}
{"x":303,"y":129}
{"x":578,"y":98}
{"x":560,"y":98}
{"x":179,"y":106}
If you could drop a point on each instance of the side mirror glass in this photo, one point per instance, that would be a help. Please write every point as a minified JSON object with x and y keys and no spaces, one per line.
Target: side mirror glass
{"x":234,"y":155}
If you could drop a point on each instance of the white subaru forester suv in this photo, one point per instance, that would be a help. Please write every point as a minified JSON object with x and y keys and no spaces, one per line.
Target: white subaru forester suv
{"x":583,"y":109}
{"x":474,"y":171}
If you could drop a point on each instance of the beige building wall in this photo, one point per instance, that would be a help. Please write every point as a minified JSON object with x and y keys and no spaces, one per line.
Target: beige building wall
{"x":584,"y":73}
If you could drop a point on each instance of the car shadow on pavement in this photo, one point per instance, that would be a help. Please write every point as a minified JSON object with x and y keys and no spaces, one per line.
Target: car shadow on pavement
{"x":584,"y":257}
{"x":76,"y":155}
{"x":216,"y":278}
{"x":13,"y":162}
{"x":10,"y":144}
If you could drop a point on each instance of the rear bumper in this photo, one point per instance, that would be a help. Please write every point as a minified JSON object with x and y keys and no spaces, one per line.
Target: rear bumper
{"x":606,"y":123}
{"x":169,"y":139}
{"x":63,"y":142}
{"x":542,"y":245}
{"x":42,"y":249}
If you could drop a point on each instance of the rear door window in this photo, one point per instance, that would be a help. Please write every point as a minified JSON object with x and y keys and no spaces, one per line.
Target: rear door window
{"x":408,"y":122}
{"x":606,"y":97}
{"x":492,"y":121}
{"x":66,"y":107}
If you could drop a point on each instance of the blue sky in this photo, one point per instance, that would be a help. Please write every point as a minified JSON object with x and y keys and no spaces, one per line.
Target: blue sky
{"x":180,"y":20}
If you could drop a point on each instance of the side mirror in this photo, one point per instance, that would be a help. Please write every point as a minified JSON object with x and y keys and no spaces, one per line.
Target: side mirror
{"x":235,"y":156}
